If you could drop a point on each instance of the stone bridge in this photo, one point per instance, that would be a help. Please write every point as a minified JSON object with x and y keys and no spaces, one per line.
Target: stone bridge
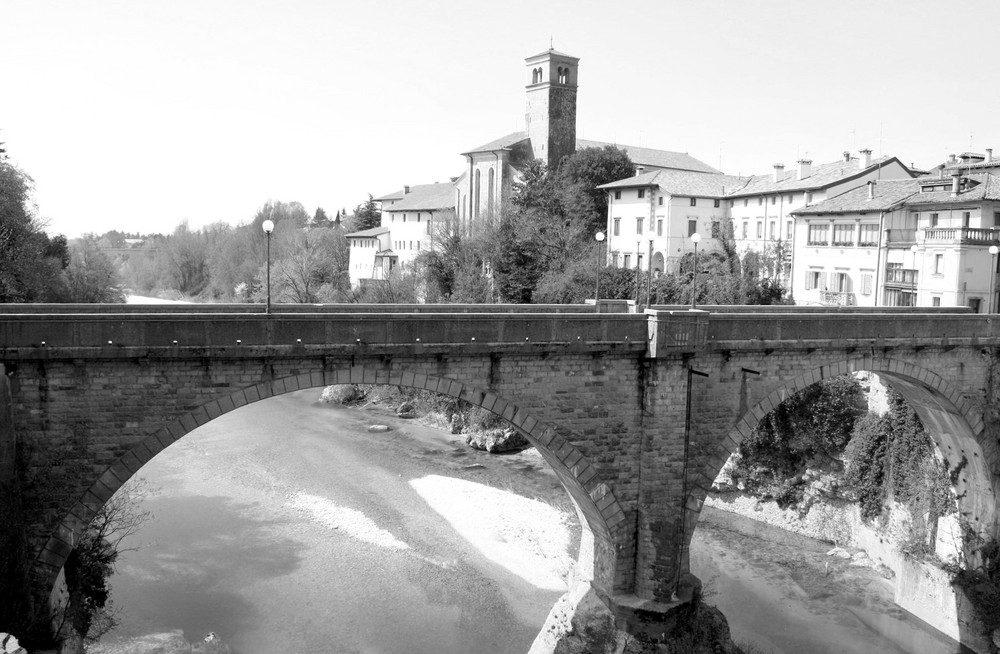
{"x":636,"y":413}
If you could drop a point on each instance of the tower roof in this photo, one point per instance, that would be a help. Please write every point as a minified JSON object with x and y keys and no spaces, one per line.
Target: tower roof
{"x":551,"y":53}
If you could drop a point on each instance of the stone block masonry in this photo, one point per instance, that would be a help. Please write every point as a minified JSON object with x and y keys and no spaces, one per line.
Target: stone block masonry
{"x":635,"y":413}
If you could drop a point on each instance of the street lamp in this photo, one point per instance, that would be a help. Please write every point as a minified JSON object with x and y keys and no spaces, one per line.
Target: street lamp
{"x":268,"y":226}
{"x":599,"y":237}
{"x":638,"y":253}
{"x":913,"y":249}
{"x":695,"y":238}
{"x":993,"y":273}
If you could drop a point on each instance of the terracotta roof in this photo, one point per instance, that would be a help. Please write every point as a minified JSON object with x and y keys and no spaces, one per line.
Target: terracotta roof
{"x":550,"y":51}
{"x":821,"y":176}
{"x":364,"y":233}
{"x":655,"y":158}
{"x":889,"y":194}
{"x":502,"y":143}
{"x":988,"y":188}
{"x":683,"y":183}
{"x":426,"y":197}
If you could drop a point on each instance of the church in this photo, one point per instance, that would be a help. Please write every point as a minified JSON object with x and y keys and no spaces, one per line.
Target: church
{"x":551,"y":82}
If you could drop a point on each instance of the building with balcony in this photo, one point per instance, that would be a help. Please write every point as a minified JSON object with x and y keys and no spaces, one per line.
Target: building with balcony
{"x":919,"y":242}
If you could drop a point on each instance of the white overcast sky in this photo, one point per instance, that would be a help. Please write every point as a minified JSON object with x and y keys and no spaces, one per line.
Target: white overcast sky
{"x":137,"y":114}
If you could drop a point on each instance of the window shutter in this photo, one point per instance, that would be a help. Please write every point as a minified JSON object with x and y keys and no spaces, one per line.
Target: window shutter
{"x":866,"y":284}
{"x":823,"y":284}
{"x":809,"y":279}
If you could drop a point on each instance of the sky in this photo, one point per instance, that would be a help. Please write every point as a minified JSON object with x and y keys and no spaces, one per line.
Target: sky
{"x":137,"y":115}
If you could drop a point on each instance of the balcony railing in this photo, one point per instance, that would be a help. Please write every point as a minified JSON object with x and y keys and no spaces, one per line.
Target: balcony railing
{"x":971,"y":235}
{"x":901,"y":276}
{"x":837,"y":298}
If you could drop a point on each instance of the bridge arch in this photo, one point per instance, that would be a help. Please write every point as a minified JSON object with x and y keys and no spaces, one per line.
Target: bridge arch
{"x":954,"y":423}
{"x":596,"y":503}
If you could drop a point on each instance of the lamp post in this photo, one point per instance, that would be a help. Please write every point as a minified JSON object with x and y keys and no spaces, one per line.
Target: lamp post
{"x":638,"y":253}
{"x":268,"y":226}
{"x":913,"y":249}
{"x":695,"y":238}
{"x":599,"y":237}
{"x":649,"y":272}
{"x":993,"y":273}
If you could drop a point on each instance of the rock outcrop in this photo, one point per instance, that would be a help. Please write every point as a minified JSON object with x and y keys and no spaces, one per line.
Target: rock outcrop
{"x":497,"y":440}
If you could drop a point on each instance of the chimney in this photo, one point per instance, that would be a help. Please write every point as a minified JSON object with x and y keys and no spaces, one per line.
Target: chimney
{"x":406,"y":189}
{"x":805,"y":168}
{"x":955,"y":178}
{"x":989,"y":155}
{"x":866,"y":158}
{"x":951,"y":158}
{"x":779,"y":172}
{"x":847,"y":156}
{"x":871,"y":190}
{"x":639,"y":170}
{"x":941,"y":171}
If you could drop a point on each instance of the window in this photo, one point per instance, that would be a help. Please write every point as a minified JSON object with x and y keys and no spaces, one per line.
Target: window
{"x":809,"y":197}
{"x":788,"y":230}
{"x":866,"y":282}
{"x":638,"y":261}
{"x":843,"y":234}
{"x":936,"y":301}
{"x":791,"y":198}
{"x":617,"y":227}
{"x":715,"y":203}
{"x":642,"y":193}
{"x":760,"y":200}
{"x":869,"y":235}
{"x":428,"y":223}
{"x":638,"y":225}
{"x":404,"y":218}
{"x":627,"y":261}
{"x":818,"y":234}
{"x":659,"y":227}
{"x":842,"y":282}
{"x":938,"y":264}
{"x":966,"y":218}
{"x":996,"y":218}
{"x":475,"y":206}
{"x":934,"y":220}
{"x":760,"y":229}
{"x":694,"y":202}
{"x":815,"y":279}
{"x":745,"y":200}
{"x":715,"y":229}
{"x":659,"y":200}
{"x":773,"y":230}
{"x":774,"y":199}
{"x":746,"y":228}
{"x":618,"y":195}
{"x":692,"y":227}
{"x":490,"y":195}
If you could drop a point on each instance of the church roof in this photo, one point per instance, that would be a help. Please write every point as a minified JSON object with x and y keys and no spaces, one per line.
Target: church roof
{"x":639,"y":156}
{"x":551,"y":52}
{"x":654,"y":158}
{"x":682,"y":182}
{"x":426,"y":197}
{"x":502,"y":143}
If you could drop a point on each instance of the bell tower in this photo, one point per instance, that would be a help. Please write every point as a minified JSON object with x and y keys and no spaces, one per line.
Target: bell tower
{"x":550,"y":117}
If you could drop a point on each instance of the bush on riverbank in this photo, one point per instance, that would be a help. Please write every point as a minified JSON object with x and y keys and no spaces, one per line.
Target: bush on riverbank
{"x":433,"y":409}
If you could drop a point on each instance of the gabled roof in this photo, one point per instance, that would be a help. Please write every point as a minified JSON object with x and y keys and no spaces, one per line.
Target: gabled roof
{"x":820,"y":177}
{"x":426,"y":197}
{"x":654,"y":158}
{"x":987,"y":188}
{"x":682,"y":182}
{"x":888,"y":195}
{"x":366,"y":233}
{"x":502,"y":143}
{"x":392,"y":196}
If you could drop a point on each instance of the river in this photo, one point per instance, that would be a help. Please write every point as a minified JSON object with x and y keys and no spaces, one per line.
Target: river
{"x":286,"y":526}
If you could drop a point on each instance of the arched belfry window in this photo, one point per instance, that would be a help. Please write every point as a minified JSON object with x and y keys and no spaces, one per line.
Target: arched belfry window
{"x":534,"y":76}
{"x":563,"y":75}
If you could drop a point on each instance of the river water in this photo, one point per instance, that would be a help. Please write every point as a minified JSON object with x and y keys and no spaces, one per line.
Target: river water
{"x":286,"y":526}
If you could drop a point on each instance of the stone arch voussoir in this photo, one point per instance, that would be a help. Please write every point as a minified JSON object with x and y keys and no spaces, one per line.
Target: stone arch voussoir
{"x":593,"y":496}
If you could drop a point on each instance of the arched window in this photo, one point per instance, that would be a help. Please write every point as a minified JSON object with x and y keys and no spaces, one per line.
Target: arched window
{"x":534,"y":76}
{"x":475,"y":198}
{"x":489,"y":197}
